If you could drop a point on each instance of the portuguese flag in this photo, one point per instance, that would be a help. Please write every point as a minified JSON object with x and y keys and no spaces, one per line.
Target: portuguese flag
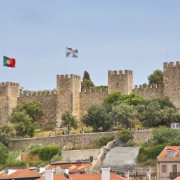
{"x":9,"y":62}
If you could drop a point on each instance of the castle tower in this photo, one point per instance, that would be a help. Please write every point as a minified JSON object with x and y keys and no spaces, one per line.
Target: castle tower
{"x":68,"y":95}
{"x":171,"y":82}
{"x":119,"y":81}
{"x":9,"y":93}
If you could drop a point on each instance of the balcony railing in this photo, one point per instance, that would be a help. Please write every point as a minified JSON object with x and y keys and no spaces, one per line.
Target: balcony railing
{"x":173,"y":175}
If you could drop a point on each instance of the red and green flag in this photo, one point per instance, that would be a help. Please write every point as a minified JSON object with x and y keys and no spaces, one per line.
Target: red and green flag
{"x":9,"y":62}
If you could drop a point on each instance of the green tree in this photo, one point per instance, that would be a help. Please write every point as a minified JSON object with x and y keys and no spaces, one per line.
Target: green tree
{"x":97,"y":118}
{"x":152,"y":115}
{"x":117,"y":98}
{"x":165,"y":102}
{"x":3,"y":154}
{"x":23,"y":123}
{"x":124,"y":114}
{"x":87,"y":83}
{"x":32,"y":108}
{"x":164,"y":134}
{"x":156,"y":77}
{"x":6,"y":134}
{"x":68,"y":120}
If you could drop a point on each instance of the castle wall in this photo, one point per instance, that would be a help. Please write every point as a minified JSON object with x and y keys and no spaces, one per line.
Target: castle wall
{"x":92,"y":97}
{"x":68,"y":92}
{"x":49,"y":104}
{"x":120,"y":81}
{"x":80,"y":140}
{"x":149,"y":92}
{"x":171,"y":79}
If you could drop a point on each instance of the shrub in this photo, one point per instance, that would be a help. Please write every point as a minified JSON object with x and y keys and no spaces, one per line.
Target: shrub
{"x":47,"y":152}
{"x":102,"y":141}
{"x":125,"y":135}
{"x":15,"y":163}
{"x":37,"y":163}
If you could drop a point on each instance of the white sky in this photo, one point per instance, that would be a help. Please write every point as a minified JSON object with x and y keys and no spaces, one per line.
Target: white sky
{"x":116,"y":35}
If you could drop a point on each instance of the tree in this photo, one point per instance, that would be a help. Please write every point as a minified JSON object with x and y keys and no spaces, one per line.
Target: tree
{"x":68,"y":120}
{"x":3,"y":154}
{"x":24,"y":124}
{"x":6,"y":134}
{"x":97,"y":118}
{"x":164,"y":135}
{"x":117,"y":98}
{"x":87,"y":83}
{"x":124,"y":114}
{"x":151,"y":117}
{"x":156,"y":77}
{"x":32,"y":108}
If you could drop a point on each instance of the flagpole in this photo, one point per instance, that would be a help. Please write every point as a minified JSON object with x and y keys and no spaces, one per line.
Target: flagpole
{"x":66,"y":63}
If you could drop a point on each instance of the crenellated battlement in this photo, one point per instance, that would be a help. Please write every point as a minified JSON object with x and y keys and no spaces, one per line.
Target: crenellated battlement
{"x":147,"y":86}
{"x":94,"y":90}
{"x":121,"y":72}
{"x":39,"y":93}
{"x":9,"y":84}
{"x":68,"y":76}
{"x":171,"y":64}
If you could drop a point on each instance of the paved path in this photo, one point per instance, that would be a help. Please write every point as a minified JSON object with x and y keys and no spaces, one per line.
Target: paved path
{"x":121,"y":158}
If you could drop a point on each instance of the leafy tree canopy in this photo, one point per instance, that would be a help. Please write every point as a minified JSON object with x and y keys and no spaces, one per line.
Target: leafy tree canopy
{"x":32,"y":108}
{"x":164,"y":135}
{"x":124,"y":114}
{"x":156,"y":77}
{"x":6,"y":134}
{"x":3,"y":154}
{"x":23,"y":123}
{"x":117,"y":98}
{"x":87,"y":83}
{"x":97,"y":118}
{"x":68,"y":120}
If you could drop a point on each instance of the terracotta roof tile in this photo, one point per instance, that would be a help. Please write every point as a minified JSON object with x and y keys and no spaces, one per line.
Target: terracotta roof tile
{"x":173,"y":148}
{"x":20,"y":173}
{"x":96,"y":176}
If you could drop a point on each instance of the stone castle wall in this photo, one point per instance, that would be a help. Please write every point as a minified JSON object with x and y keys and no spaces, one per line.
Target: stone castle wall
{"x":68,"y":95}
{"x":81,"y":140}
{"x":48,"y":101}
{"x":91,"y":97}
{"x":148,"y":92}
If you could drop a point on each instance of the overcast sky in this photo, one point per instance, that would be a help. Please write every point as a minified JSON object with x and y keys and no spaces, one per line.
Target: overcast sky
{"x":138,"y":35}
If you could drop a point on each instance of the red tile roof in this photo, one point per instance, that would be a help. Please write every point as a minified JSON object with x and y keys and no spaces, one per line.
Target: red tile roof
{"x":20,"y":173}
{"x":173,"y":148}
{"x":79,"y":167}
{"x":96,"y":176}
{"x":178,"y":178}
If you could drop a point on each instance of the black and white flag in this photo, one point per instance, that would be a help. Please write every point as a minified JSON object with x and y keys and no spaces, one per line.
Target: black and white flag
{"x":70,"y":52}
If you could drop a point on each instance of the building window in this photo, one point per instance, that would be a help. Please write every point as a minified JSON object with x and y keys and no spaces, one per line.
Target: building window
{"x":164,"y":168}
{"x":174,"y":168}
{"x":117,"y":84}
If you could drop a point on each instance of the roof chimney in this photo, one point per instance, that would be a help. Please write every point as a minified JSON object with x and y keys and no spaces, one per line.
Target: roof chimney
{"x":105,"y":175}
{"x":49,"y":174}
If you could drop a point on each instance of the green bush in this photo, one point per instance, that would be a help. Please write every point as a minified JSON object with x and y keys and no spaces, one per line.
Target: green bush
{"x":16,"y":163}
{"x":125,"y":135}
{"x":102,"y":141}
{"x":47,"y":152}
{"x":37,"y":163}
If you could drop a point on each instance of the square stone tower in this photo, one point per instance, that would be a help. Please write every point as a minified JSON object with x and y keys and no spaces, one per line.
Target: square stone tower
{"x":120,"y":81}
{"x":171,"y":82}
{"x":9,"y":93}
{"x":68,"y":95}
